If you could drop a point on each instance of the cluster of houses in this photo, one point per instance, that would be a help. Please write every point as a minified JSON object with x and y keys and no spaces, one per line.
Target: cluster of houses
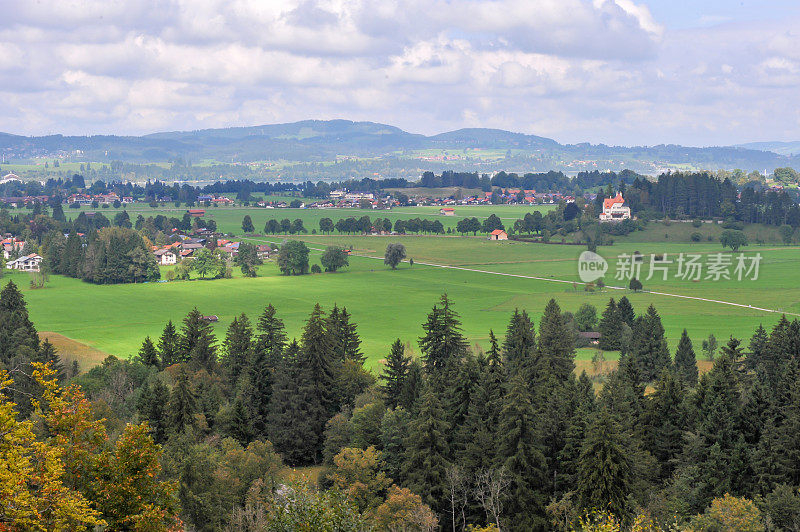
{"x":187,"y":246}
{"x":12,"y":247}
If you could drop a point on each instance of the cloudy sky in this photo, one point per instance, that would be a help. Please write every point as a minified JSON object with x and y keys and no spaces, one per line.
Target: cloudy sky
{"x":695,"y":72}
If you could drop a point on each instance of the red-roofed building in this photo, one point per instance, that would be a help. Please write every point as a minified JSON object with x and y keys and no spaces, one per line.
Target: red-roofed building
{"x":614,"y":209}
{"x":498,"y":234}
{"x":447,"y":211}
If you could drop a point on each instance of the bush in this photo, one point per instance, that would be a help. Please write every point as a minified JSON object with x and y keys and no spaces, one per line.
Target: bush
{"x":697,"y":223}
{"x":316,"y":269}
{"x":696,"y":237}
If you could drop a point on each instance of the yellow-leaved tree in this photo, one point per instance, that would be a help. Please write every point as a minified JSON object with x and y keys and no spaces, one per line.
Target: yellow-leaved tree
{"x":33,"y":491}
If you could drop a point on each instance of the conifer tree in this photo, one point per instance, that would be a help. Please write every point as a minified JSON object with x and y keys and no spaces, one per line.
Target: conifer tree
{"x":238,"y":347}
{"x":758,"y":345}
{"x":147,"y":354}
{"x":294,"y":411}
{"x":238,"y":426}
{"x":343,"y":337}
{"x":556,"y":344}
{"x":153,"y":406}
{"x":519,"y":346}
{"x":570,"y":454}
{"x":412,"y":387}
{"x":169,"y":346}
{"x":427,"y":451}
{"x":443,"y":341}
{"x":197,"y":341}
{"x":182,"y":404}
{"x":604,"y":473}
{"x":665,"y":422}
{"x":649,"y":346}
{"x":272,"y":336}
{"x":610,"y":327}
{"x":394,"y":374}
{"x":685,"y":361}
{"x":625,"y":309}
{"x":317,"y":368}
{"x":17,"y":333}
{"x":394,"y":431}
{"x":518,"y":452}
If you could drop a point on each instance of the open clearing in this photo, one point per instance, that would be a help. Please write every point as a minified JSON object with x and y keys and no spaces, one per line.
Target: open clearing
{"x":392,"y":304}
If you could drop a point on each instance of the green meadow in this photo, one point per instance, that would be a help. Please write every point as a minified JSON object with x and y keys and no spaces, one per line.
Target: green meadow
{"x":487,"y":281}
{"x":229,"y":219}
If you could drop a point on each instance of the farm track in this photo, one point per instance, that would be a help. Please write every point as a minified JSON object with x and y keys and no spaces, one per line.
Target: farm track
{"x":564,"y":281}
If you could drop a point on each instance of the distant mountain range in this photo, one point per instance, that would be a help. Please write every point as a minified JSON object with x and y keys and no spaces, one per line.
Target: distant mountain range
{"x":315,"y":141}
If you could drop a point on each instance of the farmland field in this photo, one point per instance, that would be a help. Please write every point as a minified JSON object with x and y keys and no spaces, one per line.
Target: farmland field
{"x":229,"y":219}
{"x":492,"y":281}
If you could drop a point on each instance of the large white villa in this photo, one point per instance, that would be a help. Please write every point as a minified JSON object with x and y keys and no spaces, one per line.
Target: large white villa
{"x":614,"y":209}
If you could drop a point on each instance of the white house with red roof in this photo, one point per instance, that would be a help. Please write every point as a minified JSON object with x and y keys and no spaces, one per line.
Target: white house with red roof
{"x":614,"y":209}
{"x":27,"y":263}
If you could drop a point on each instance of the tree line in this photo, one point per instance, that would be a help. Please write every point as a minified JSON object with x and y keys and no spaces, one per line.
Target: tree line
{"x":455,"y":436}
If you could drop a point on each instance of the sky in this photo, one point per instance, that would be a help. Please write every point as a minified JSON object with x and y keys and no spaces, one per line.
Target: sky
{"x":619,"y":72}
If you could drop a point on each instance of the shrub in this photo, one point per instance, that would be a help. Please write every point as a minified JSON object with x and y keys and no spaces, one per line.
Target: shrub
{"x":697,"y":223}
{"x":696,"y":237}
{"x":315,"y":268}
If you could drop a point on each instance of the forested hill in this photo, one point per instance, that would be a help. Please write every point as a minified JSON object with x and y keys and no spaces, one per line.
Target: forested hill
{"x":389,"y":149}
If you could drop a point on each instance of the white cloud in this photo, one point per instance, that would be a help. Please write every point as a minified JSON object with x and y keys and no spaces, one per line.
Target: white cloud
{"x":598,"y":70}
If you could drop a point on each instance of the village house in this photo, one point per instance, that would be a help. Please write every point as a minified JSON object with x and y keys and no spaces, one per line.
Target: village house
{"x":614,"y":209}
{"x":196,"y":213}
{"x":26,"y":263}
{"x":498,"y":234}
{"x":80,"y":199}
{"x":447,"y":211}
{"x":166,"y":256}
{"x":263,"y":251}
{"x":11,"y":246}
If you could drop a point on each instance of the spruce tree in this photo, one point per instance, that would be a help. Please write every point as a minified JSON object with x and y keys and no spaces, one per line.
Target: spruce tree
{"x":518,"y":452}
{"x":394,"y":431}
{"x":317,"y":369}
{"x":182,"y":403}
{"x":649,"y":346}
{"x":610,"y":327}
{"x":169,"y":348}
{"x":443,"y":341}
{"x":294,"y":411}
{"x":238,"y":426}
{"x":685,"y":361}
{"x":394,"y":374}
{"x":237,"y":348}
{"x":519,"y":346}
{"x":427,"y":451}
{"x":556,"y":344}
{"x":570,"y":454}
{"x":17,"y":332}
{"x":604,"y":474}
{"x":272,"y":336}
{"x":343,"y":337}
{"x":625,"y":309}
{"x":153,"y":406}
{"x":758,"y":345}
{"x":412,"y":387}
{"x":148,"y":355}
{"x":197,"y":341}
{"x":48,"y":355}
{"x":665,"y":422}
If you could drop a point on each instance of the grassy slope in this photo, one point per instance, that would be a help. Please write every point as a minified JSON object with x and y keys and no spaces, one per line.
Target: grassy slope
{"x":389,"y":304}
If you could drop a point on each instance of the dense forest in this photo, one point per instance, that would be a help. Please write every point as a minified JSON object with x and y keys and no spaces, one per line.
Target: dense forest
{"x":199,"y":429}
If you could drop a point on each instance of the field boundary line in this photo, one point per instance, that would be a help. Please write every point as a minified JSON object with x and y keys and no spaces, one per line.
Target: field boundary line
{"x":564,"y":281}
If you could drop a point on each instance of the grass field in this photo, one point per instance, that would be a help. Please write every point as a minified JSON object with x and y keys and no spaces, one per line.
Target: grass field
{"x":390,"y":304}
{"x":229,"y":219}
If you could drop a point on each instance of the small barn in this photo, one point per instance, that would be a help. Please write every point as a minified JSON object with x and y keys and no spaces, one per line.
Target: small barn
{"x":498,"y":234}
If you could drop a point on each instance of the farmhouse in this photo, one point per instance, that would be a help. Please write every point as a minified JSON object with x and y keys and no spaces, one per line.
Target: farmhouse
{"x":166,"y":257}
{"x":447,"y":211}
{"x":27,"y":263}
{"x":196,"y":213}
{"x":614,"y":209}
{"x":498,"y":234}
